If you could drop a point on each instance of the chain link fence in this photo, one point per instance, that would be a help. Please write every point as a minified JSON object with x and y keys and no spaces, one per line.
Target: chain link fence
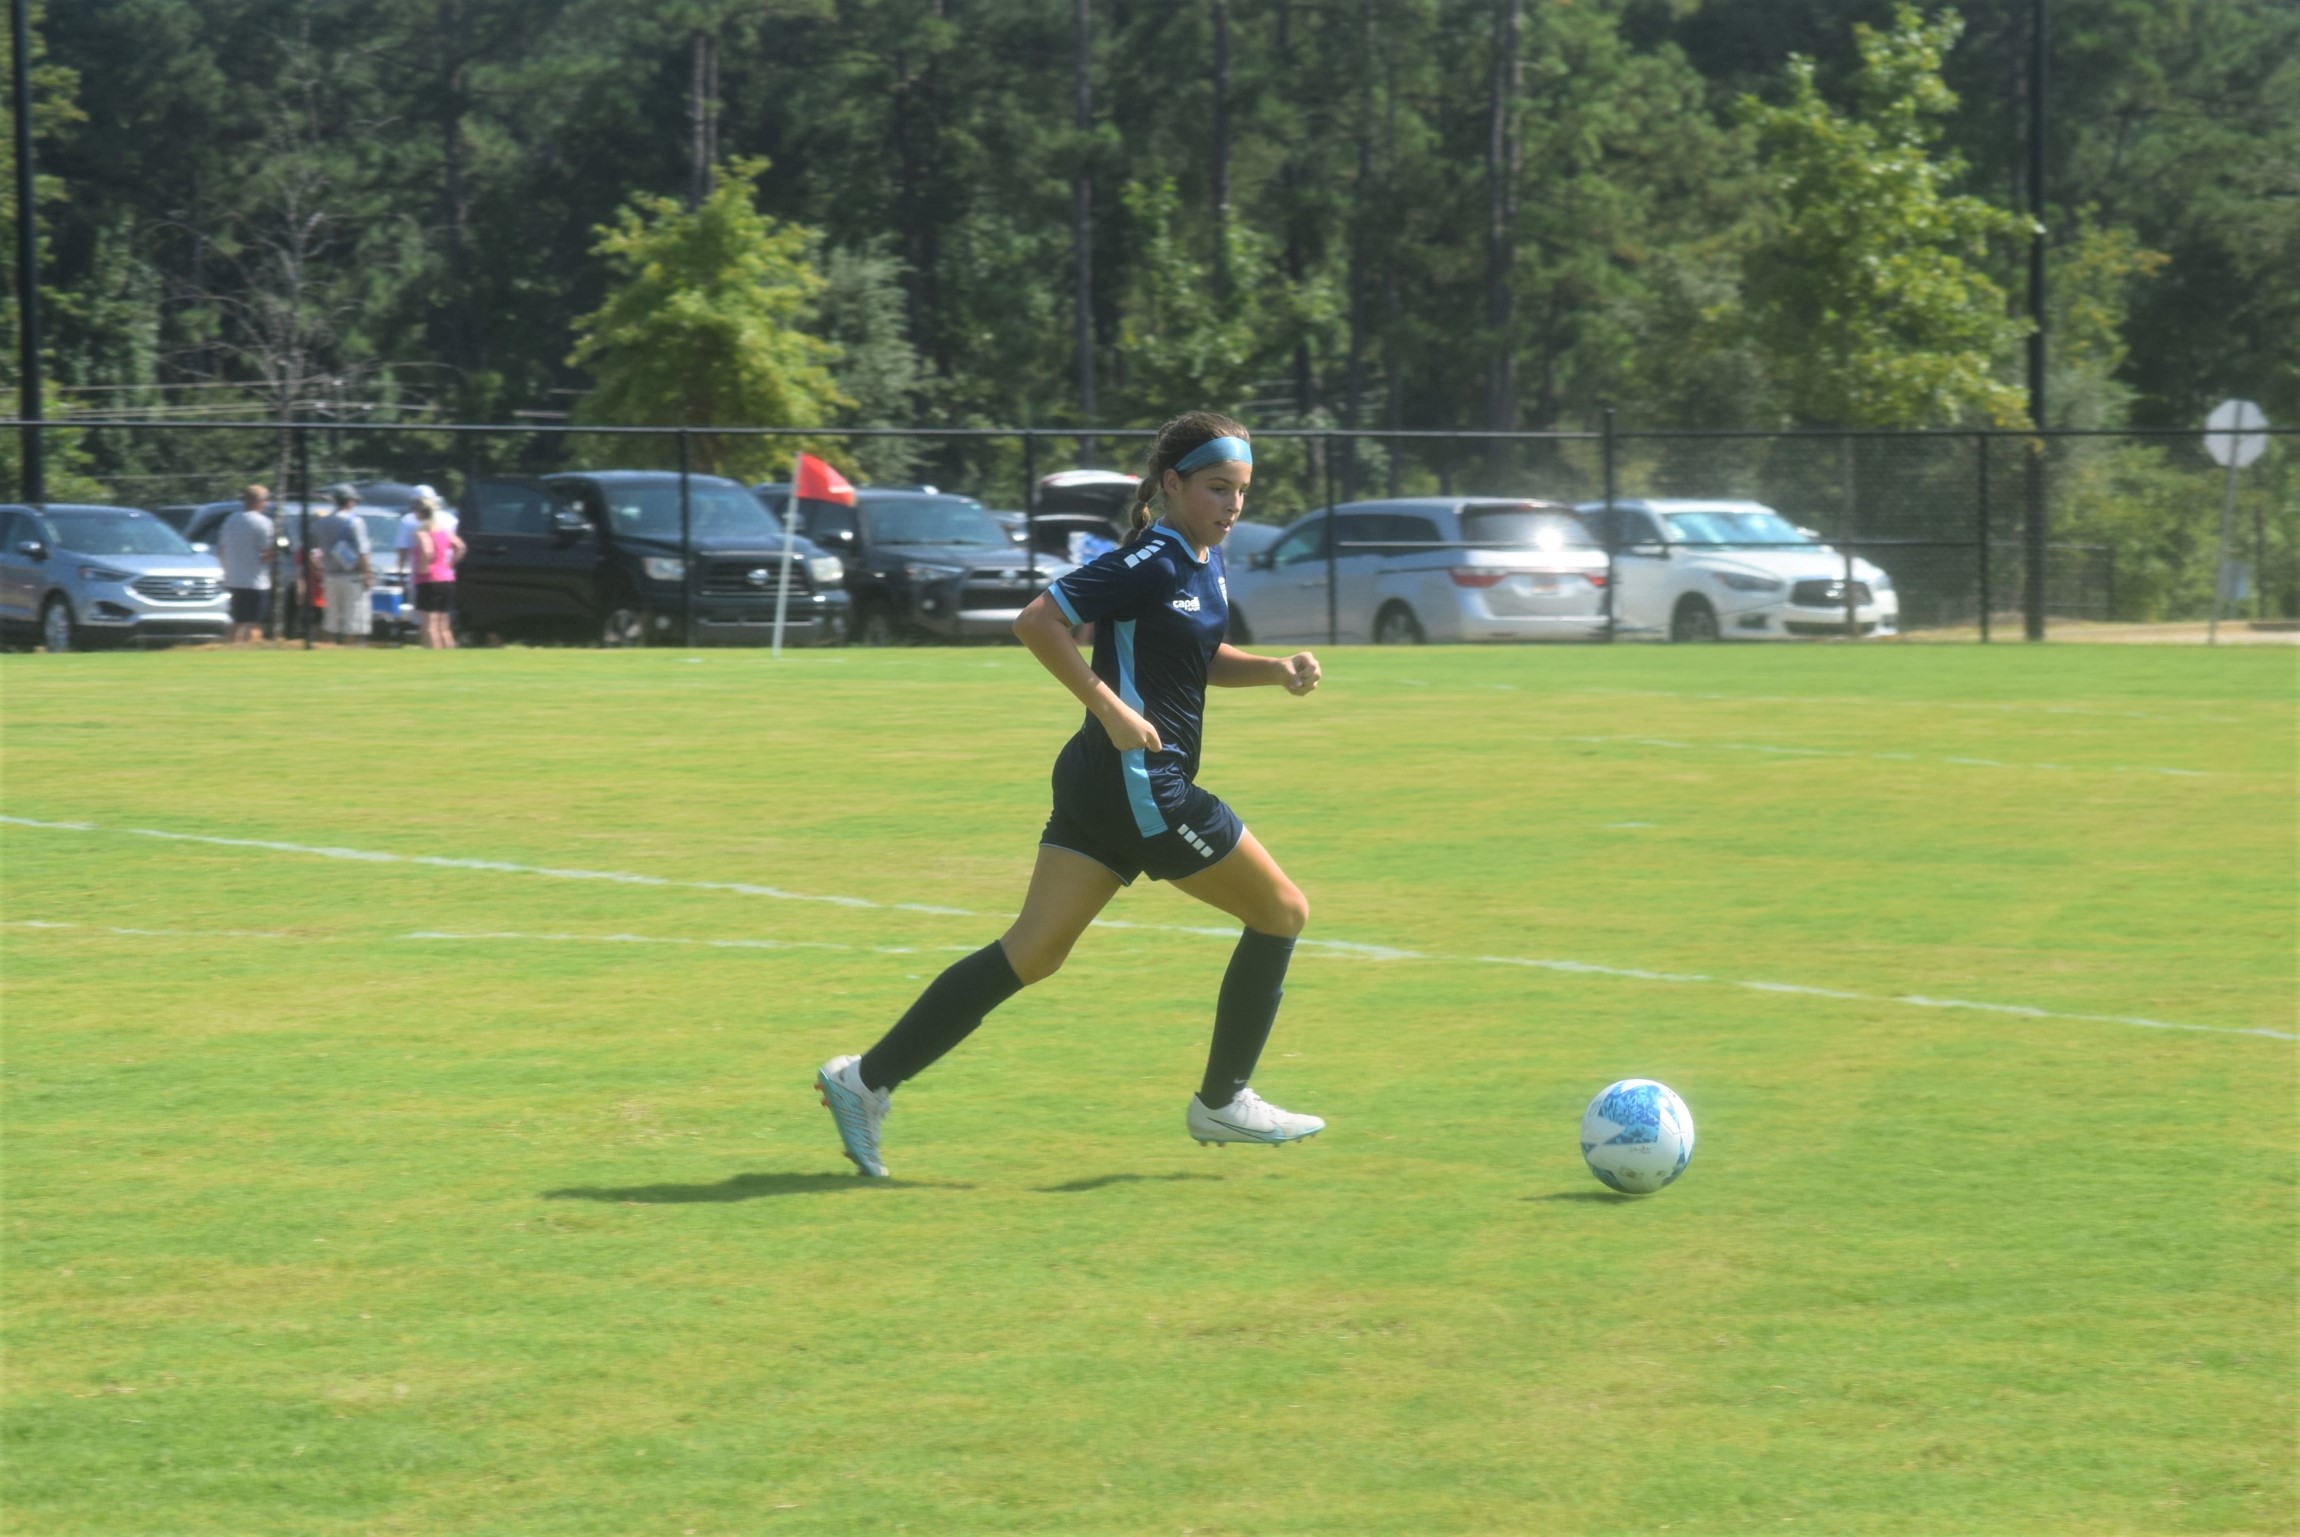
{"x":1978,"y":535}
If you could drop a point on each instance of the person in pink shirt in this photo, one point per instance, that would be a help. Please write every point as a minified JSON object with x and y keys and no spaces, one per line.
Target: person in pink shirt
{"x":437,"y":548}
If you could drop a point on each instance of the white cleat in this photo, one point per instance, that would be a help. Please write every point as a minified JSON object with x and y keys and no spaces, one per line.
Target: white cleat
{"x":858,"y":1111}
{"x":1249,"y":1118}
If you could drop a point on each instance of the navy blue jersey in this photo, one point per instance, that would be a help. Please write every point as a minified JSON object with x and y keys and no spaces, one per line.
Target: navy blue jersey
{"x":1158,"y":613}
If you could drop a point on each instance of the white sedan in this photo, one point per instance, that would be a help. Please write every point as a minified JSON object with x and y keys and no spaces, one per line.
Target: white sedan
{"x":1733,"y":570}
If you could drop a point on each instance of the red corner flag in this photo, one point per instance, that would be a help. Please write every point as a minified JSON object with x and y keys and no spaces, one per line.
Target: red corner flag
{"x":816,"y":481}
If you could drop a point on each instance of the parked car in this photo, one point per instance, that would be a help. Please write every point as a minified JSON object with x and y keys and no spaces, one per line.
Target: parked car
{"x":597,"y":556}
{"x":1705,"y":570}
{"x":77,"y":576}
{"x":923,"y":562}
{"x":1424,"y":568}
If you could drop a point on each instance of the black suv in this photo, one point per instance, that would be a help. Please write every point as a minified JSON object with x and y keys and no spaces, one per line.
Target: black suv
{"x":921,"y":562}
{"x":596,"y":556}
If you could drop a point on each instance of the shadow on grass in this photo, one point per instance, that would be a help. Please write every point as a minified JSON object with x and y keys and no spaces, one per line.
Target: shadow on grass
{"x":1101,"y":1181}
{"x":1609,"y":1197}
{"x":740,"y":1187}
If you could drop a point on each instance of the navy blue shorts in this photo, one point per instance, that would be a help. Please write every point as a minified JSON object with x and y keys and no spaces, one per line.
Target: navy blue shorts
{"x":1198,"y":834}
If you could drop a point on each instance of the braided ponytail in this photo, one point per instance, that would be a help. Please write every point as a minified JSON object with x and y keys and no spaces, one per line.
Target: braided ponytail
{"x":1174,"y":442}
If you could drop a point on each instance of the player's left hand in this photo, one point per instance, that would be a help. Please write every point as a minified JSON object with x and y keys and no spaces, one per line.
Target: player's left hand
{"x":1301,"y":673}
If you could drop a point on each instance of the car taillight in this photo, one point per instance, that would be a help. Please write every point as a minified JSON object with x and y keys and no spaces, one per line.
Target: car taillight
{"x":1494,"y":576}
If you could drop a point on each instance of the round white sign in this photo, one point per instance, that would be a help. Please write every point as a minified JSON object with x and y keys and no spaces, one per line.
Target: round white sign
{"x":2232,"y":435}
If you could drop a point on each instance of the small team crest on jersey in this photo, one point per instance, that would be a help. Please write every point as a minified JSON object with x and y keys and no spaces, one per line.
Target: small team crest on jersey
{"x":1223,"y":582}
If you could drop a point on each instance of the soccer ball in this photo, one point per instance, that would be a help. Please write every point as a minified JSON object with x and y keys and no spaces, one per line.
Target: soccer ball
{"x":1637,"y":1136}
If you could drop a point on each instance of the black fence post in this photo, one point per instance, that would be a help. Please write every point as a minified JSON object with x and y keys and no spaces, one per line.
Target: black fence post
{"x":1981,"y":441}
{"x":1605,"y":535}
{"x":1333,"y":558}
{"x":2034,"y":529}
{"x":1847,"y":447}
{"x":307,"y":564}
{"x":1333,"y":544}
{"x":686,"y":546}
{"x":1030,"y":507}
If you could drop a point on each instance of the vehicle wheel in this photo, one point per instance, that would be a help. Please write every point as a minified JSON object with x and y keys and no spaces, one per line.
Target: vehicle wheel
{"x":625,"y":625}
{"x":1396,"y":625}
{"x":1694,"y":620}
{"x":57,"y":631}
{"x":1238,"y":632}
{"x":877,"y":628}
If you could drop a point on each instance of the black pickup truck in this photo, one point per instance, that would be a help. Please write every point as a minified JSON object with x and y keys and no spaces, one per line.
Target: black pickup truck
{"x":597,"y":556}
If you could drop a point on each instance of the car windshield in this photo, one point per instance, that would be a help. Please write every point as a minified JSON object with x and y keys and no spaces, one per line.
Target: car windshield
{"x":1541,"y":528}
{"x":115,"y":533}
{"x":933,"y":520}
{"x":714,"y":512}
{"x":1725,"y":526}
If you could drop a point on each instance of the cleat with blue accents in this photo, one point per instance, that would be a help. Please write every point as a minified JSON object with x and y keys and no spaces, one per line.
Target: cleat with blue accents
{"x":1249,"y":1118}
{"x":857,"y":1110}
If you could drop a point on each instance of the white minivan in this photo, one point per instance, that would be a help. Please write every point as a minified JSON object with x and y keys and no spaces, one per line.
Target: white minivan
{"x":1733,"y":570}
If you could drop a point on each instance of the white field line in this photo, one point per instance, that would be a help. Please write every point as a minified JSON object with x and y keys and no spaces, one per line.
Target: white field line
{"x":444,"y":935}
{"x":1887,"y":757}
{"x":1919,"y":704}
{"x":1336,"y":948}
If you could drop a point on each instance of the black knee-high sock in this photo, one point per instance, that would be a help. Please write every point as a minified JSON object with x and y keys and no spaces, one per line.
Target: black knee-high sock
{"x":1251,"y":989}
{"x":945,"y":1014}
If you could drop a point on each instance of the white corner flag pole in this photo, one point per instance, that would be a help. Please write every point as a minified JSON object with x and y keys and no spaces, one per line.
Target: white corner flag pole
{"x":783,"y":589}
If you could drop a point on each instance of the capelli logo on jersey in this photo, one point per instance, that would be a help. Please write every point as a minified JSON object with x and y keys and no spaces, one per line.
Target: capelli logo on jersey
{"x":1186,"y":604}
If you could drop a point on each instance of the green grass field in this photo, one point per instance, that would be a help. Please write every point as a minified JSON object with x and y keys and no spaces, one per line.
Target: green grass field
{"x":363,"y":1195}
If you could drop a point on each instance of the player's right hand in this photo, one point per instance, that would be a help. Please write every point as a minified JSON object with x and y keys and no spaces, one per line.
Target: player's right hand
{"x":1129,"y":732}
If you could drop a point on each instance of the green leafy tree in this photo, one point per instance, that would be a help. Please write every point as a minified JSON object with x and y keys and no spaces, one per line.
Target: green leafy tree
{"x":703,"y":328}
{"x":861,"y":311}
{"x":55,"y":110}
{"x":1867,"y":290}
{"x":1187,"y":344}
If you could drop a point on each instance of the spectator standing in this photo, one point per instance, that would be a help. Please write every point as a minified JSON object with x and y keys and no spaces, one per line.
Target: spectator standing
{"x":405,"y":544}
{"x":343,"y":568}
{"x":437,"y":548}
{"x":245,"y":546}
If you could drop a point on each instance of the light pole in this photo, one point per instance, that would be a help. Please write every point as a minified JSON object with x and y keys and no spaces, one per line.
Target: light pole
{"x":29,"y":388}
{"x":2036,"y":529}
{"x":1082,"y":217}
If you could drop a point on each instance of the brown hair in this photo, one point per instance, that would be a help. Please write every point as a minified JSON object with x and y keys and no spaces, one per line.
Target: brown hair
{"x":1175,"y":441}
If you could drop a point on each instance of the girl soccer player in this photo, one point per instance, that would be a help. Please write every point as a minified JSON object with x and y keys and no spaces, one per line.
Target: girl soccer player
{"x":1125,"y":800}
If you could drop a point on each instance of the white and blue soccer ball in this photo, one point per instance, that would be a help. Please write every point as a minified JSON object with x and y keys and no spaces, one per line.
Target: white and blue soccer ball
{"x":1637,"y":1136}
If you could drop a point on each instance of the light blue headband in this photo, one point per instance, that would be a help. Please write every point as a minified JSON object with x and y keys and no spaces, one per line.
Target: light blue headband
{"x":1232,"y":450}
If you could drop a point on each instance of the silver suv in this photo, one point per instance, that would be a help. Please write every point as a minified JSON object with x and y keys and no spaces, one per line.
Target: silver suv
{"x":77,"y":576}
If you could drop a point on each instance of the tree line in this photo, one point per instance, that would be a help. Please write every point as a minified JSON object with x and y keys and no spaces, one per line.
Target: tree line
{"x":1357,"y":212}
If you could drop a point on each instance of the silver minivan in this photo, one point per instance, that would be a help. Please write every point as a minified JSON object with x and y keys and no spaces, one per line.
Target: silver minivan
{"x":76,"y":576}
{"x":1426,"y":568}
